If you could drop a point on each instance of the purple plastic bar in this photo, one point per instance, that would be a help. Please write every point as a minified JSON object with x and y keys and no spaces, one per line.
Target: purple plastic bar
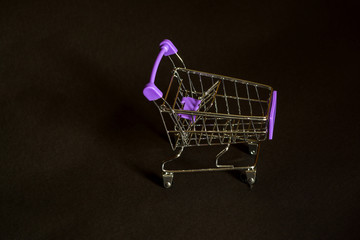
{"x":272,"y":115}
{"x":151,"y":92}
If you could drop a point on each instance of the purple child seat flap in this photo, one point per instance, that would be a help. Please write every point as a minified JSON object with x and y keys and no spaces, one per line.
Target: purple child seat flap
{"x":190,"y":104}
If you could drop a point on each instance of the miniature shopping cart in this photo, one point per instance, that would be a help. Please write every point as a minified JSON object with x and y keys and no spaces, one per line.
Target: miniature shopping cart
{"x":201,"y":108}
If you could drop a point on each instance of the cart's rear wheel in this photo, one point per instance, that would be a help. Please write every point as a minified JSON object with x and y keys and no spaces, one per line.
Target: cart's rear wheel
{"x":168,"y":179}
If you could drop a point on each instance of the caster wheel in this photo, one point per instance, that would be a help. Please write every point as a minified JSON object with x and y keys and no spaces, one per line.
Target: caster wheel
{"x":168,"y":179}
{"x":253,"y":148}
{"x":251,"y":177}
{"x":251,"y":181}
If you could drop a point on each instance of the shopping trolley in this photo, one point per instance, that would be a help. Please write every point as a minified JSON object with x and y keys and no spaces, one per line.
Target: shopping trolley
{"x":202,"y":109}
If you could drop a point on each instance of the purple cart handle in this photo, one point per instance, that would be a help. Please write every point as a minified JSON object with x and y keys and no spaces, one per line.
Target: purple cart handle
{"x":151,"y":92}
{"x":272,"y":115}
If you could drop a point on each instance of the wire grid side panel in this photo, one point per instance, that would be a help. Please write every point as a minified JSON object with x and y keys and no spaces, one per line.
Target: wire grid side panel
{"x":212,"y":131}
{"x":218,"y":94}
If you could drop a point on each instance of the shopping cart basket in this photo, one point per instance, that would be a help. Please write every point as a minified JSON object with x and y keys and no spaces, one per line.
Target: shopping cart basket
{"x":201,"y":108}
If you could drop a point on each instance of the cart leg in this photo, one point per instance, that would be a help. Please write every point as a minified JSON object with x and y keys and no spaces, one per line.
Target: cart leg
{"x":167,"y":174}
{"x":167,"y":179}
{"x":253,"y":148}
{"x":219,"y":155}
{"x":251,"y":176}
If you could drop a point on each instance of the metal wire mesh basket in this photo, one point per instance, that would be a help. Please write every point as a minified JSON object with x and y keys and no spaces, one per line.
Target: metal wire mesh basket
{"x":201,"y":109}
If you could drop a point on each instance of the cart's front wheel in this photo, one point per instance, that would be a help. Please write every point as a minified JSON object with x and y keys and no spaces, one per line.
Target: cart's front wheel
{"x":250,"y":177}
{"x":253,"y":148}
{"x":168,"y":179}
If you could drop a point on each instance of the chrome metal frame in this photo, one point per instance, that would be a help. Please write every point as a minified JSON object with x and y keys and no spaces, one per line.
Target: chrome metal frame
{"x":224,"y":117}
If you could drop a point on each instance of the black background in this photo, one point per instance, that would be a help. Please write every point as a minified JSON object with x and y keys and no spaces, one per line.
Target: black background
{"x":81,"y":148}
